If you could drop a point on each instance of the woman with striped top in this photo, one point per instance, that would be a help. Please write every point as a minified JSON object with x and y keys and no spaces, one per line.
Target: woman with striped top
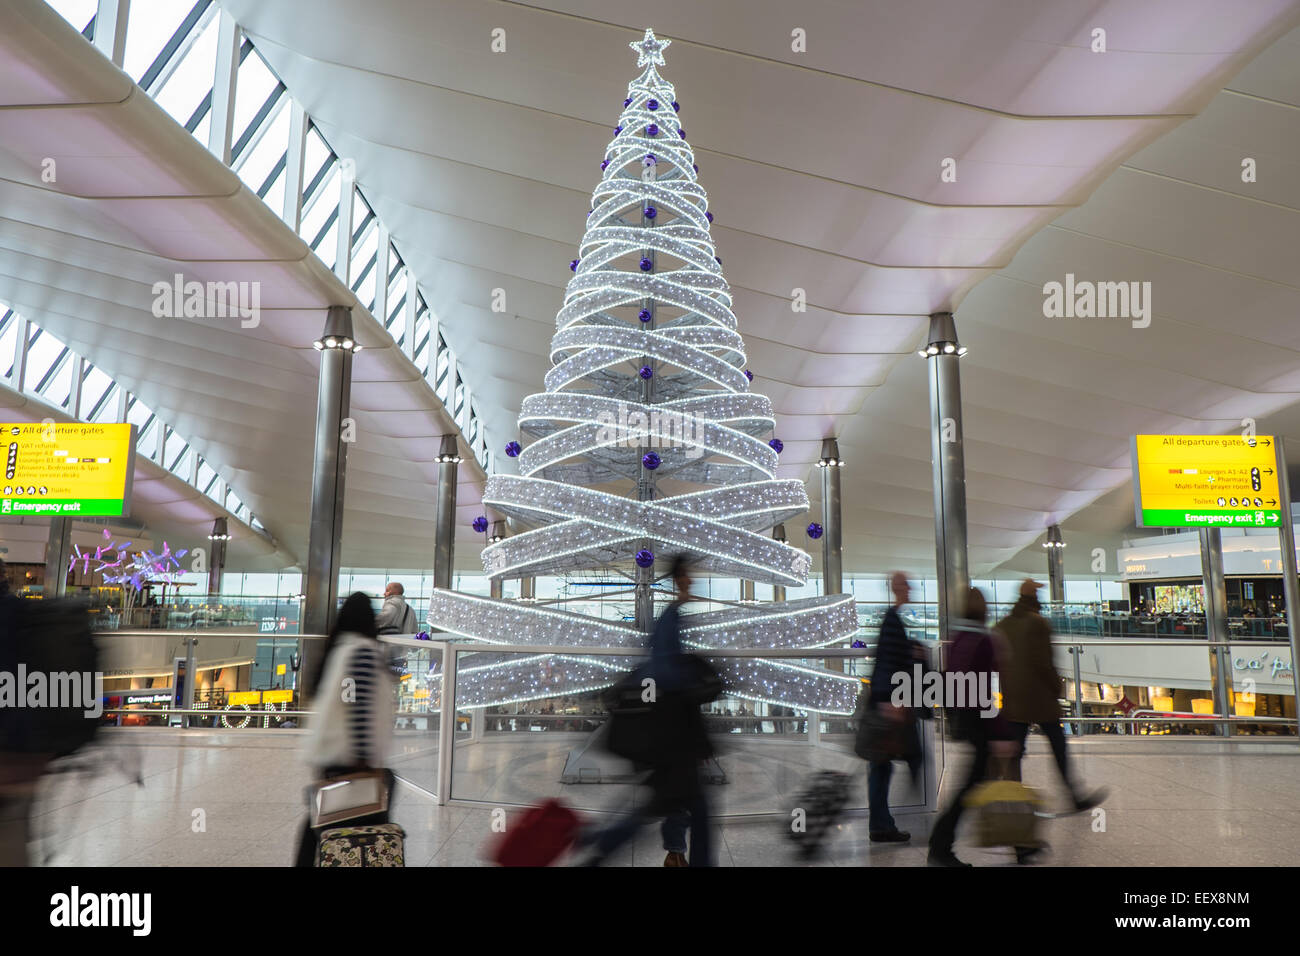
{"x":352,"y":727}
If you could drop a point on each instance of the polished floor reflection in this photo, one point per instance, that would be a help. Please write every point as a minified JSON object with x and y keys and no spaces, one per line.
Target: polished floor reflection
{"x":236,"y":799}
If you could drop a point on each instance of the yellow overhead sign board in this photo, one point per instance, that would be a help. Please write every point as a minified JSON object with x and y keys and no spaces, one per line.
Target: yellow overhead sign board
{"x":1199,"y":481}
{"x":70,"y":469}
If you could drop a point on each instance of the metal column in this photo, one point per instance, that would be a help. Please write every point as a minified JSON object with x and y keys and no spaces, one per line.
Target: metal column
{"x":56,"y":558}
{"x":946,"y":455}
{"x":329,"y":468}
{"x":778,"y":590}
{"x":1055,"y":565}
{"x":217,"y":560}
{"x":444,"y":533}
{"x":446,"y":723}
{"x":1216,"y":624}
{"x":833,"y":532}
{"x":496,"y":586}
{"x":746,"y":591}
{"x":1290,"y":587}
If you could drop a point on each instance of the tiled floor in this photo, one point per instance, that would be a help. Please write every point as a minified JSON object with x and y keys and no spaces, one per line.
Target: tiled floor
{"x":236,"y":799}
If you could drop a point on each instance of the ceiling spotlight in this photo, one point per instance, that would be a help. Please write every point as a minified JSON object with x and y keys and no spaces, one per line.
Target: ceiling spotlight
{"x":962,"y":350}
{"x":949,"y":348}
{"x":331,"y":342}
{"x":932,"y":350}
{"x":318,"y":345}
{"x":922,"y":353}
{"x":356,"y":348}
{"x":348,"y":343}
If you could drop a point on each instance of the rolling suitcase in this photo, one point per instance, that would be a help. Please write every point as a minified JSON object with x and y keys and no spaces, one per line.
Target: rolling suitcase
{"x":538,"y":838}
{"x":822,"y":802}
{"x":1006,"y":814}
{"x":379,"y":845}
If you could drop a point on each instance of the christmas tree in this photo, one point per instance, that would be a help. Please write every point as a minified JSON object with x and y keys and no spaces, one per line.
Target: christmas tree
{"x":647,"y":442}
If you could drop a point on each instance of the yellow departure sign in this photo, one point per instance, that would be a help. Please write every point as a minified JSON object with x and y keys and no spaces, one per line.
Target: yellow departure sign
{"x":1200,"y":481}
{"x":67,"y":470}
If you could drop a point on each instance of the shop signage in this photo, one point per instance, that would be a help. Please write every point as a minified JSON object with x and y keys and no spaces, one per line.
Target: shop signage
{"x":1202,"y":481}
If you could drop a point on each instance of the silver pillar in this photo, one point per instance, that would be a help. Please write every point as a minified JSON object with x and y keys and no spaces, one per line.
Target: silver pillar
{"x":746,"y":591}
{"x":217,"y":560}
{"x":833,"y":534}
{"x":56,"y":558}
{"x":528,"y":589}
{"x":942,"y":353}
{"x":1290,"y":587}
{"x":329,"y":468}
{"x":496,"y":586}
{"x":1216,"y":624}
{"x":1055,"y":548}
{"x":444,"y":533}
{"x":778,"y":590}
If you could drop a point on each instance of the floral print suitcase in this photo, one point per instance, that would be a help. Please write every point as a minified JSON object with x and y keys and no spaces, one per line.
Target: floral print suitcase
{"x":381,"y":845}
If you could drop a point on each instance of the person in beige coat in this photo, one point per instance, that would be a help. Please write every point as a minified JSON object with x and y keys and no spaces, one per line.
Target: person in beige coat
{"x":1031,"y":687}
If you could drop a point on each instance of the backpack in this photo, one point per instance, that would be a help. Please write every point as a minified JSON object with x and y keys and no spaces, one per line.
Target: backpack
{"x":51,"y":637}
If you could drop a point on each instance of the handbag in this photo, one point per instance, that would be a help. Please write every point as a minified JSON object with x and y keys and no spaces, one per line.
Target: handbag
{"x":360,"y":793}
{"x":881,"y":738}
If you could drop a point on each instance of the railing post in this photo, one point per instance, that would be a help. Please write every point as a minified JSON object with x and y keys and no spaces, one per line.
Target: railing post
{"x":447,"y":724}
{"x":1076,"y":651}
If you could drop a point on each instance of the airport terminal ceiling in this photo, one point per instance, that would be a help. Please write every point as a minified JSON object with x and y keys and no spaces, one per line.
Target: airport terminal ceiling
{"x":839,"y":228}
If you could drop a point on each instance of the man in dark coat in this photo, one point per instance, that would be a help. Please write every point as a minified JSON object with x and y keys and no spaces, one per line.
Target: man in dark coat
{"x":1031,"y":687}
{"x":894,"y":653}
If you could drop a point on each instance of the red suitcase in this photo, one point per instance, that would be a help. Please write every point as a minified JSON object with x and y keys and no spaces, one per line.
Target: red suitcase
{"x":539,"y":838}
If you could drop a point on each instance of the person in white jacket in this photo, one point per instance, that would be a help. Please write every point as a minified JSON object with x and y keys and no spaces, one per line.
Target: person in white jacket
{"x":352,"y":727}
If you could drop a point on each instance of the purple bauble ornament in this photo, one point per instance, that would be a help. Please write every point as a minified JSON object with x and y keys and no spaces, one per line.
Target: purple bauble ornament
{"x":749,"y":375}
{"x":646,"y":372}
{"x":696,"y":168}
{"x":651,"y":460}
{"x":709,"y":216}
{"x":480,"y":524}
{"x":513,"y":448}
{"x":604,"y":165}
{"x":627,"y":102}
{"x":676,"y":108}
{"x":422,"y":636}
{"x":573,"y":266}
{"x":650,"y":212}
{"x":814,"y":531}
{"x":649,"y":160}
{"x":858,"y":644}
{"x":617,"y":130}
{"x":718,"y":259}
{"x":652,"y":130}
{"x":652,"y":104}
{"x":646,"y":265}
{"x":644,"y":315}
{"x":681,"y":133}
{"x":776,"y":445}
{"x":645,"y":559}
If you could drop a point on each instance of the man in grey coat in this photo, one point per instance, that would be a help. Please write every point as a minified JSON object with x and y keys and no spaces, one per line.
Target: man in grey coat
{"x":396,"y":616}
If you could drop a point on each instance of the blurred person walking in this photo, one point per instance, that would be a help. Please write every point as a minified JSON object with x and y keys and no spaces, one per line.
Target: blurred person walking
{"x":682,"y":683}
{"x":352,"y":727}
{"x":1031,"y":688}
{"x":895,"y":653}
{"x":396,"y":616}
{"x":972,"y":652}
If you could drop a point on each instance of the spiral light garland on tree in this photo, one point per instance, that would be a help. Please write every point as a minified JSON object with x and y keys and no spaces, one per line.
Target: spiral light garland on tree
{"x":648,"y":385}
